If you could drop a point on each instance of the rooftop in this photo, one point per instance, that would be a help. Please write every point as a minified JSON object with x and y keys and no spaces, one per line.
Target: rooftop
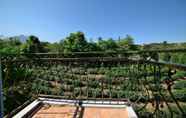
{"x":66,"y":111}
{"x":65,"y":108}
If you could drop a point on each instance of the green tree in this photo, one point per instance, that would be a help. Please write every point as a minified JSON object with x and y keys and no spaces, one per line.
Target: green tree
{"x":76,"y":42}
{"x":55,"y":47}
{"x":92,"y":47}
{"x":32,"y":45}
{"x":127,"y":43}
{"x":166,"y":56}
{"x":10,"y":45}
{"x":106,"y":45}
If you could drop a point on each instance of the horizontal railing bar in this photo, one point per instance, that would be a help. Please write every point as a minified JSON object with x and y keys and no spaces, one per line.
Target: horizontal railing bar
{"x":101,"y":59}
{"x":19,"y":108}
{"x":107,"y":52}
{"x":169,"y":64}
{"x":91,"y":59}
{"x":62,"y":97}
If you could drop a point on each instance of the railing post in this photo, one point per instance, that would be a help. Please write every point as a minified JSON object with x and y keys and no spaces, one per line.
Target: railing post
{"x":1,"y":91}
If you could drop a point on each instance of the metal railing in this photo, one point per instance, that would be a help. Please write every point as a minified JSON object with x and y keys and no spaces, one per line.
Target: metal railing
{"x":1,"y":93}
{"x":138,"y":77}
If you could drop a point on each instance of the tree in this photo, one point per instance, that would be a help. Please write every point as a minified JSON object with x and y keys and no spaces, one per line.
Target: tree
{"x":32,"y":45}
{"x":127,"y":43}
{"x":92,"y":47}
{"x":55,"y":47}
{"x":166,"y":56}
{"x":76,"y":42}
{"x":10,"y":45}
{"x":107,"y":45}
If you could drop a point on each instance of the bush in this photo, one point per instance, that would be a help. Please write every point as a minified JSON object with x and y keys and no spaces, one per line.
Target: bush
{"x":179,"y":75}
{"x":180,"y":94}
{"x":93,"y":84}
{"x":180,"y":84}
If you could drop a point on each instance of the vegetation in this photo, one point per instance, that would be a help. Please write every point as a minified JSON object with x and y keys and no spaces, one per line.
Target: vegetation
{"x":129,"y":81}
{"x":75,"y":42}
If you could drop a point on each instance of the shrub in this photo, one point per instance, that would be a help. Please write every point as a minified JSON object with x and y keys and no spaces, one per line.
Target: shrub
{"x":180,"y":94}
{"x":180,"y":84}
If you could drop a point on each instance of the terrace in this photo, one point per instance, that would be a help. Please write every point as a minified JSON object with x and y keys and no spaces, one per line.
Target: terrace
{"x":83,"y":84}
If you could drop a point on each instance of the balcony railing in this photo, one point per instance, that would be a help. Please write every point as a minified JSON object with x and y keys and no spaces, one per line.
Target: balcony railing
{"x":153,"y":87}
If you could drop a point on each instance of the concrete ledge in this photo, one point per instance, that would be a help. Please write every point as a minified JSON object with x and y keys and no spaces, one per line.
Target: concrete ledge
{"x":32,"y":108}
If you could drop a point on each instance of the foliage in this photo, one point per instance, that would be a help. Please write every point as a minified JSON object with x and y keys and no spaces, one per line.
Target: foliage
{"x":179,"y":75}
{"x":75,"y":43}
{"x":117,"y":82}
{"x":32,"y":45}
{"x":180,"y":84}
{"x":16,"y":87}
{"x":10,"y":45}
{"x":127,"y":43}
{"x":180,"y":94}
{"x":107,"y":45}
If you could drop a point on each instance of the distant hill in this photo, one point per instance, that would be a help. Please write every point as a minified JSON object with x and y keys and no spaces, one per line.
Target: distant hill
{"x":22,"y":38}
{"x":3,"y":37}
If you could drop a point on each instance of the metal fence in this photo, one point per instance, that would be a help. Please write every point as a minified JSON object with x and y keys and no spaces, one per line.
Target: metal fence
{"x":141,"y":78}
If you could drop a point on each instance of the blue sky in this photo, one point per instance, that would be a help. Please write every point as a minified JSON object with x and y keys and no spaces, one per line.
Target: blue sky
{"x":51,"y":20}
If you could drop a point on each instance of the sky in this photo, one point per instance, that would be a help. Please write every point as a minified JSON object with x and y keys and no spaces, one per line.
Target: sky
{"x":146,"y":21}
